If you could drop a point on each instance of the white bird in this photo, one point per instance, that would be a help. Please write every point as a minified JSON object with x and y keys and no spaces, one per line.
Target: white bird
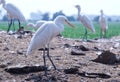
{"x":36,"y":25}
{"x":13,"y":13}
{"x":45,"y":34}
{"x":103,"y":24}
{"x":85,"y":20}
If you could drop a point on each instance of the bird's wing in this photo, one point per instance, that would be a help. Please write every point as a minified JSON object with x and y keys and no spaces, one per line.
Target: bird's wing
{"x":14,"y":12}
{"x":42,"y":37}
{"x":39,"y":23}
{"x":87,"y":23}
{"x":103,"y":22}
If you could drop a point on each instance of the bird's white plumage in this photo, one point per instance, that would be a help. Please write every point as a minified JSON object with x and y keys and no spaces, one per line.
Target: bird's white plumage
{"x":45,"y":34}
{"x":13,"y":11}
{"x":85,"y":20}
{"x":36,"y":25}
{"x":39,"y":23}
{"x":103,"y":22}
{"x":41,"y":38}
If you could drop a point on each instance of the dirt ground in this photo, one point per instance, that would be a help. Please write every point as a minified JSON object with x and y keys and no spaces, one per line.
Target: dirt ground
{"x":13,"y":49}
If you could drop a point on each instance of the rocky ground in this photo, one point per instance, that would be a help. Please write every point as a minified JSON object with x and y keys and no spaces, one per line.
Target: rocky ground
{"x":78,"y":61}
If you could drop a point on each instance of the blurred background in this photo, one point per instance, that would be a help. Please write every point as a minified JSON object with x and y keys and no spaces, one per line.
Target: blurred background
{"x":49,"y":9}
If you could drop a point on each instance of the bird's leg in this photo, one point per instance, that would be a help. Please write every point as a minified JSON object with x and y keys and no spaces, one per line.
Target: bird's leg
{"x":9,"y":25}
{"x":44,"y":62}
{"x":50,"y":58}
{"x":85,"y":35}
{"x":101,"y":34}
{"x":19,"y":23}
{"x":13,"y":25}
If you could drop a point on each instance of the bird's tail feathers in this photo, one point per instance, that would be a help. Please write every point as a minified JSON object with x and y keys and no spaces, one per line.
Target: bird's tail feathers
{"x":93,"y":30}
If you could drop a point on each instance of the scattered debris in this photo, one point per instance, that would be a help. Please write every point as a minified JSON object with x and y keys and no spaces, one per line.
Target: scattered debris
{"x":67,"y":45}
{"x":94,"y":75}
{"x":24,"y":69}
{"x":106,"y":57}
{"x":6,"y":49}
{"x":71,"y":71}
{"x":81,"y":47}
{"x":19,"y":52}
{"x":77,"y":52}
{"x":3,"y":65}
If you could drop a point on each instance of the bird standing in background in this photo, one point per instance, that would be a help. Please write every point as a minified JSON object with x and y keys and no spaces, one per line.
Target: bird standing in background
{"x":45,"y":34}
{"x":13,"y":13}
{"x":36,"y":25}
{"x":103,"y":25}
{"x":85,"y":20}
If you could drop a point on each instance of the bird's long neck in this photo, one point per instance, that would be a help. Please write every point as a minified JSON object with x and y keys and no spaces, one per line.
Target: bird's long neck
{"x":102,"y":14}
{"x":60,"y":25}
{"x":79,"y":15}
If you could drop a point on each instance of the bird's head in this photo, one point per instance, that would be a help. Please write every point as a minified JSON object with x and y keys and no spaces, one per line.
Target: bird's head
{"x":101,"y":11}
{"x":78,"y":7}
{"x":62,"y":19}
{"x":2,"y":1}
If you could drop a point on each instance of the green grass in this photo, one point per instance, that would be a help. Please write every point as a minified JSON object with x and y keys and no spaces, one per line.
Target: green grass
{"x":78,"y":32}
{"x":113,"y":30}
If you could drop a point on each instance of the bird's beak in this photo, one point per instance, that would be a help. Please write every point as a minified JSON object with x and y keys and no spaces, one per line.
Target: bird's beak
{"x":69,"y":23}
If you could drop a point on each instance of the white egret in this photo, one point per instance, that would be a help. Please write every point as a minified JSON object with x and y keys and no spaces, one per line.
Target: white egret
{"x":45,"y":34}
{"x":13,"y":13}
{"x":36,"y":25}
{"x":85,"y":20}
{"x":103,"y":24}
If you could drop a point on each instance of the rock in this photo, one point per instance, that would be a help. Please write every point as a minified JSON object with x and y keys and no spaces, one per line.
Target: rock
{"x":116,"y":45}
{"x":67,"y":45}
{"x":71,"y":71}
{"x":80,"y":47}
{"x":76,"y":52}
{"x":94,"y":75}
{"x":24,"y":69}
{"x":106,"y":57}
{"x":6,"y":49}
{"x":19,"y":52}
{"x":3,"y":65}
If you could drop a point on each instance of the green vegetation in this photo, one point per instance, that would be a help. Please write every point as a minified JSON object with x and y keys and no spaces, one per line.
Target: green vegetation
{"x":78,"y":32}
{"x":113,"y":30}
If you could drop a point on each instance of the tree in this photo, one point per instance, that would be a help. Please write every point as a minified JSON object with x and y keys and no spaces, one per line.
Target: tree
{"x":5,"y":18}
{"x":96,"y":18}
{"x":71,"y":18}
{"x":46,"y":16}
{"x":58,"y":13}
{"x":109,"y":19}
